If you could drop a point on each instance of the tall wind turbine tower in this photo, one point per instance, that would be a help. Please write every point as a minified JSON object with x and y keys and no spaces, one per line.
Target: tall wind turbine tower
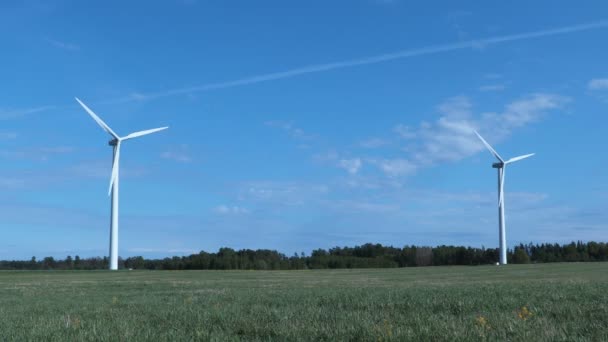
{"x":501,"y":166}
{"x":113,"y":190}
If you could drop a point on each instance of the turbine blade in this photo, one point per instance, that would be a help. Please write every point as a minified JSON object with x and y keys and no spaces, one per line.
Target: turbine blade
{"x":115,"y":165}
{"x":502,"y":186}
{"x":489,"y":147}
{"x":97,"y":119}
{"x":512,"y":160}
{"x":146,"y":132}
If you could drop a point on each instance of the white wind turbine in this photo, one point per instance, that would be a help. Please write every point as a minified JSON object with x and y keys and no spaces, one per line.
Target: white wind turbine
{"x":501,"y":166}
{"x":113,"y":190}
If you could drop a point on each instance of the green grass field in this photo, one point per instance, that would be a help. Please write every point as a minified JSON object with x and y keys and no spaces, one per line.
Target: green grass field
{"x":518,"y":302}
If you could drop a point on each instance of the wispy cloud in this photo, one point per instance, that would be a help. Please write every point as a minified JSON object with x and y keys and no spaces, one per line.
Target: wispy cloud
{"x":230,"y":210}
{"x":598,"y":84}
{"x":350,"y":165}
{"x":63,"y":45}
{"x":6,"y":114}
{"x":179,"y":154}
{"x":38,"y":153}
{"x":456,"y":18}
{"x":138,"y":96}
{"x":404,"y":131}
{"x":291,"y":129}
{"x":450,"y":138}
{"x":280,"y":193}
{"x":396,"y":167}
{"x":492,"y":87}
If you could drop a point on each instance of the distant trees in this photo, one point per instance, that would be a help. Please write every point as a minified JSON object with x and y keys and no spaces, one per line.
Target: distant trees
{"x":424,"y":256}
{"x":364,"y":256}
{"x":520,"y":256}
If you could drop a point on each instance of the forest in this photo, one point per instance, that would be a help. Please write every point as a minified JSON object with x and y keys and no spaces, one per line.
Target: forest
{"x":365,"y":256}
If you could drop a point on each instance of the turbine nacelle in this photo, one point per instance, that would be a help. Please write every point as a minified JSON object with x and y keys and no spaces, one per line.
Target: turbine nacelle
{"x":501,"y":164}
{"x":116,"y":140}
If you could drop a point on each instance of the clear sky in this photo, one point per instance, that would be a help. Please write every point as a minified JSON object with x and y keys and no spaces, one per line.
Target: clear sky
{"x":296,"y":125}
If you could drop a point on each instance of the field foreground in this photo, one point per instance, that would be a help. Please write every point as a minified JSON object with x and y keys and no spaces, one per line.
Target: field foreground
{"x":517,"y":302}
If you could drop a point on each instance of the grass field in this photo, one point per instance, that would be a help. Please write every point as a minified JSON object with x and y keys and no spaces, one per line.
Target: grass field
{"x":518,"y":302}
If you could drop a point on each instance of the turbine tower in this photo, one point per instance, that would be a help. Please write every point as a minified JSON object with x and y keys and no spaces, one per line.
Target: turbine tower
{"x":113,"y":190}
{"x":501,"y":166}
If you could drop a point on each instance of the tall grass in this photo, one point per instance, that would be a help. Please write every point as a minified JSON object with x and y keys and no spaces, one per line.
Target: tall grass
{"x":519,"y":302}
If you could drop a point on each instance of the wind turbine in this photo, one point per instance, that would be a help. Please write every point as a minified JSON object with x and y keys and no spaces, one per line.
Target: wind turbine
{"x":113,"y":190}
{"x":501,"y":166}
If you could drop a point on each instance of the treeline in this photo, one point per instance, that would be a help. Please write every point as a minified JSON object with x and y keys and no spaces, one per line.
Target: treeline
{"x":365,"y":256}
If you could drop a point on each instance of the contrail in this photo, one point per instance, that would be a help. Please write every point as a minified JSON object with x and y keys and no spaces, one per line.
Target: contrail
{"x":376,"y":59}
{"x":434,"y":49}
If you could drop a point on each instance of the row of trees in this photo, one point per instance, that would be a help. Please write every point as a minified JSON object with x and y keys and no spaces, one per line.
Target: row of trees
{"x":365,"y":256}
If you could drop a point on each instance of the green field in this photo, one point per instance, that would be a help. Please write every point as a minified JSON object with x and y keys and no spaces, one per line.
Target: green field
{"x":517,"y":302}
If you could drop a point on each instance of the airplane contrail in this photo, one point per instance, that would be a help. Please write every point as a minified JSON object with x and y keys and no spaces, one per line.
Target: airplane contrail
{"x":316,"y":68}
{"x":377,"y":59}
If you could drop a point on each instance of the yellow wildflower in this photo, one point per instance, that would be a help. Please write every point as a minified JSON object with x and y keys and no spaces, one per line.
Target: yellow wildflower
{"x":523,"y":313}
{"x":482,"y":322}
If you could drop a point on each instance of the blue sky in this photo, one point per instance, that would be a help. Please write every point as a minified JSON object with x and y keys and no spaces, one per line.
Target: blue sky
{"x":299,"y":125}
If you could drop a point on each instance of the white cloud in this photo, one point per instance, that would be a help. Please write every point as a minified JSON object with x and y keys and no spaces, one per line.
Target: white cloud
{"x":396,"y":167}
{"x":598,"y":84}
{"x":451,"y":137}
{"x":179,"y":154}
{"x":457,"y":107}
{"x":293,"y":131}
{"x":529,"y":110}
{"x":404,"y":131}
{"x":351,"y":165}
{"x":280,"y":193}
{"x":230,"y":210}
{"x":372,"y":183}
